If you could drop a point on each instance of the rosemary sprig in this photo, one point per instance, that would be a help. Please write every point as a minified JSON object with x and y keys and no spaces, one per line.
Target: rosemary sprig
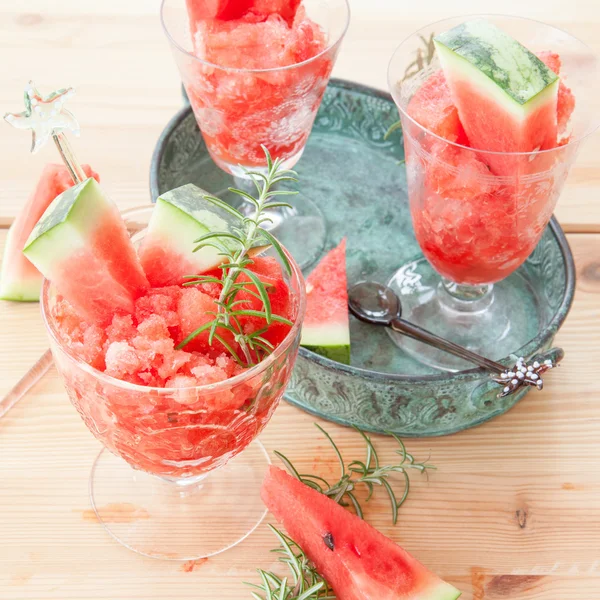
{"x":368,"y":473}
{"x":305,"y":583}
{"x":235,"y":246}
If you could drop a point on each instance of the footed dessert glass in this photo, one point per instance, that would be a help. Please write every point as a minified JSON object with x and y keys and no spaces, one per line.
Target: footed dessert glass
{"x":172,"y":485}
{"x":240,"y":109}
{"x":474,"y":227}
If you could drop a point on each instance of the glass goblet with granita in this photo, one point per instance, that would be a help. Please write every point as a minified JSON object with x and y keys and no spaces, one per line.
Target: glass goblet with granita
{"x":255,"y":73}
{"x":480,"y":206}
{"x":179,"y":477}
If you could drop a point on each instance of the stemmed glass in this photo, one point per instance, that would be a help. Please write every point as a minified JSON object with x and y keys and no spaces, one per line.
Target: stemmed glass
{"x":474,"y":227}
{"x":167,"y":487}
{"x":238,"y":109}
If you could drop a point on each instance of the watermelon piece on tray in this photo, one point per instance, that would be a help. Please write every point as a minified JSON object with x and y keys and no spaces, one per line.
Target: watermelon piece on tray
{"x":82,"y":246}
{"x":357,"y":561}
{"x":505,"y":95}
{"x":19,"y":279}
{"x":326,"y":327}
{"x":180,"y":217}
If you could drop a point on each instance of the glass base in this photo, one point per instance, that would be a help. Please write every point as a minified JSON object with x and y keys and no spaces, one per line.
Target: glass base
{"x":301,"y":229}
{"x":180,"y":521}
{"x":492,"y":322}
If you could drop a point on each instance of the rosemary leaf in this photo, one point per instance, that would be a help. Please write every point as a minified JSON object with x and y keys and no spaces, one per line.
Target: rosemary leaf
{"x":221,"y":204}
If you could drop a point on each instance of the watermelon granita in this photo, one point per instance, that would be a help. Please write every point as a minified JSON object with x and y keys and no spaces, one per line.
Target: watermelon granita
{"x":256,"y":75}
{"x":355,"y":559}
{"x":151,"y":387}
{"x":164,"y":423}
{"x":478,"y":215}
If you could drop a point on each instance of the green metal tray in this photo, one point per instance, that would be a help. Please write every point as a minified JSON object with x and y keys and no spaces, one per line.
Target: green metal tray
{"x":354,"y":176}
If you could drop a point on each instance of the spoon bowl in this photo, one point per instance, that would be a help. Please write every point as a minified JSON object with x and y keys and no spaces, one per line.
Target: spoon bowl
{"x":374,"y":303}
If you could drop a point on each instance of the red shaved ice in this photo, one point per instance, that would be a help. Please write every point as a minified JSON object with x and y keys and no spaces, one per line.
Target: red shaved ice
{"x":432,"y":107}
{"x":252,"y":99}
{"x":566,"y":100}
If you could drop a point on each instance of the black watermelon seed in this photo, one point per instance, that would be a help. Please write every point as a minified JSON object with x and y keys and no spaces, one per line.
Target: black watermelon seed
{"x":328,"y":539}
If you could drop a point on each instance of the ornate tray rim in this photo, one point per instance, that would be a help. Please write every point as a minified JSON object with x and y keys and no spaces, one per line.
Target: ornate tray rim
{"x":539,"y":341}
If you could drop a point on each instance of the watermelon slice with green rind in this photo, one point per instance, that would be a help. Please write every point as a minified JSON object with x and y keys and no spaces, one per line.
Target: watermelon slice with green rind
{"x":505,"y":95}
{"x":357,"y":561}
{"x":19,"y":279}
{"x":326,"y":326}
{"x":180,"y":217}
{"x":82,"y":246}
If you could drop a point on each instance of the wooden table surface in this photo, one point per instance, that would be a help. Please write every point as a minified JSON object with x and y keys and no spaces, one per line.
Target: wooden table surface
{"x":513,"y":511}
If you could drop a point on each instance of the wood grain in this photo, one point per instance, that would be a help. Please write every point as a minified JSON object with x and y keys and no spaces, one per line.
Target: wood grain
{"x":512,"y":512}
{"x":115,"y":54}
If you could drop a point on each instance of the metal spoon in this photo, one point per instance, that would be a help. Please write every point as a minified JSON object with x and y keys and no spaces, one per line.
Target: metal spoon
{"x":377,"y":304}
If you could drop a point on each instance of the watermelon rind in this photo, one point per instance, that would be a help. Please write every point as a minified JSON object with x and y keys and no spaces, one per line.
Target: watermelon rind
{"x":180,"y":217}
{"x":491,"y":60}
{"x":64,"y":225}
{"x":439,"y":590}
{"x":331,"y":341}
{"x":17,"y":289}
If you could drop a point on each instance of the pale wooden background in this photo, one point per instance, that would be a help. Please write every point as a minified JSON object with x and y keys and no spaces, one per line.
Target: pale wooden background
{"x":513,"y":511}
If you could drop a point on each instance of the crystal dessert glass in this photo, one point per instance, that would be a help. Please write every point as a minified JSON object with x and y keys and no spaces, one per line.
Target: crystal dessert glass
{"x":476,"y":228}
{"x":240,"y":109}
{"x":171,"y":485}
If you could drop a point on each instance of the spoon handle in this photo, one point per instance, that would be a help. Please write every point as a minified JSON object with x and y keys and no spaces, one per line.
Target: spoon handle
{"x":422,"y":335}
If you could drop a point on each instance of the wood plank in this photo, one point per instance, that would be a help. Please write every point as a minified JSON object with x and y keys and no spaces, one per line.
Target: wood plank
{"x":511,"y":513}
{"x":134,"y":90}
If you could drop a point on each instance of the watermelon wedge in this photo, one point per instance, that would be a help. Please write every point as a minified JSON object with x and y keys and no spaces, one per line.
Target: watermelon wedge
{"x":326,"y":327}
{"x":200,"y":10}
{"x":358,"y":561}
{"x":227,"y":10}
{"x":180,"y":217}
{"x":19,"y":279}
{"x":82,"y":246}
{"x":506,"y":96}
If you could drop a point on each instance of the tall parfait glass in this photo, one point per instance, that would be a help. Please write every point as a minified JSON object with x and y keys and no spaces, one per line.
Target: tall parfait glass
{"x":261,"y":83}
{"x":169,"y":482}
{"x":478,"y":215}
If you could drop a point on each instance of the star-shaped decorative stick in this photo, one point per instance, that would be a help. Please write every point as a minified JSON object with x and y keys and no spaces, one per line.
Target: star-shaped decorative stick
{"x":44,"y":115}
{"x":524,"y":374}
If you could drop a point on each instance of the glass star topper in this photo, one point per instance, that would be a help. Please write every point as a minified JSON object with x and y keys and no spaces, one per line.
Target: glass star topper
{"x":44,"y":115}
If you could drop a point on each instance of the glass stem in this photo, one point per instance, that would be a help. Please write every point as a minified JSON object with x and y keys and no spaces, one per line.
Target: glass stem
{"x":463,"y":297}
